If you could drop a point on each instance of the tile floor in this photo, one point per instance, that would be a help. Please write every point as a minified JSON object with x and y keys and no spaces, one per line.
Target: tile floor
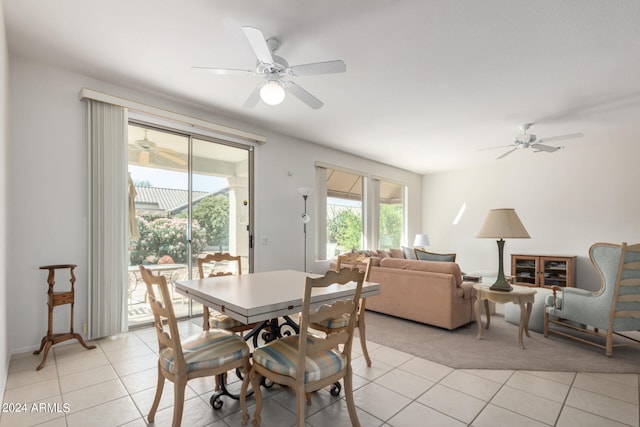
{"x":114,"y":385}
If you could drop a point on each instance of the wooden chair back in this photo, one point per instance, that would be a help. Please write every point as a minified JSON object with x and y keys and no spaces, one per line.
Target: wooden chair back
{"x":159,"y":297}
{"x":215,"y":258}
{"x":625,"y":308}
{"x":310,"y":344}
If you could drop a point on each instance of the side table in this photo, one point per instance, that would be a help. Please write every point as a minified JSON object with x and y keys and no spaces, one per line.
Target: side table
{"x":55,"y":299}
{"x":520,"y":295}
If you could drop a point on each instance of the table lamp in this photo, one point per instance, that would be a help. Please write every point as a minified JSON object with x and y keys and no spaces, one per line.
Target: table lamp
{"x":502,"y":223}
{"x":421,"y":241}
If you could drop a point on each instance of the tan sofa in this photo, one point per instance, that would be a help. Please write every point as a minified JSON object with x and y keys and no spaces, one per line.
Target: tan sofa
{"x":424,"y":291}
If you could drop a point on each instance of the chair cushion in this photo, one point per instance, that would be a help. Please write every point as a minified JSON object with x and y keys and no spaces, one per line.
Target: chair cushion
{"x":338,"y":322}
{"x":222,"y":321}
{"x":280,"y":356}
{"x":208,"y":349}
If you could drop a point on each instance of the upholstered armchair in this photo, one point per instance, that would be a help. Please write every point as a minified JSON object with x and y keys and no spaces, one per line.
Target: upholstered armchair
{"x":614,"y":308}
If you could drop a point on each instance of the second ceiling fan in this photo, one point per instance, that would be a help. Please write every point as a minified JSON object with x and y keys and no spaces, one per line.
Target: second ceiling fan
{"x":276,"y":71}
{"x":528,"y":140}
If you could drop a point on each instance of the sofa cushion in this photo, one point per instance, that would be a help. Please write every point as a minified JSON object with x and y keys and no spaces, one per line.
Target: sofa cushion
{"x":409,"y":253}
{"x":432,"y":256}
{"x":430,"y":266}
{"x":396,"y":253}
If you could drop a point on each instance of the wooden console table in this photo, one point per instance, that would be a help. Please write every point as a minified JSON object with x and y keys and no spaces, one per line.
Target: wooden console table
{"x":520,"y":295}
{"x":55,"y":299}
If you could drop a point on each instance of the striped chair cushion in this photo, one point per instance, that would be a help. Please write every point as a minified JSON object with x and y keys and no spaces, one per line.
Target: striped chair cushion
{"x":222,"y":321}
{"x":208,"y":349}
{"x":280,"y":356}
{"x":339,"y":322}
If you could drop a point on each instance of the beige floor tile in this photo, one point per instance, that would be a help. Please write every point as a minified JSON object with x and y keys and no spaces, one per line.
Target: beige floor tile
{"x":129,"y":352}
{"x":272,"y":415}
{"x":196,"y":413}
{"x":498,"y":376}
{"x":73,"y":349}
{"x":94,"y":395}
{"x":123,"y":340}
{"x":33,"y":392}
{"x":426,"y":369}
{"x":136,"y":364}
{"x":571,"y":417}
{"x":379,"y":401}
{"x":21,"y":378}
{"x":140,"y":422}
{"x":472,"y":385}
{"x":81,"y":362}
{"x":405,"y":383}
{"x":143,"y":399}
{"x":108,"y":414}
{"x":140,"y":380}
{"x":372,"y":372}
{"x":603,"y":406}
{"x":560,"y":377}
{"x":389,"y":356}
{"x":86,"y":378}
{"x":529,"y":405}
{"x":603,"y":384}
{"x":539,"y":386}
{"x":337,"y":415}
{"x":418,"y":414}
{"x":25,"y":362}
{"x":453,"y":403}
{"x":493,"y":416}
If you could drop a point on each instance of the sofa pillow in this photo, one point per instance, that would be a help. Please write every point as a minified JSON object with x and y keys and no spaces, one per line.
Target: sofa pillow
{"x":423,"y":255}
{"x":396,"y":253}
{"x":409,"y":253}
{"x":382,"y":253}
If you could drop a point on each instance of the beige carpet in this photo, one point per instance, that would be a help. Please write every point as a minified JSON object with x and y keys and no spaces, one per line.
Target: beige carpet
{"x":498,"y":349}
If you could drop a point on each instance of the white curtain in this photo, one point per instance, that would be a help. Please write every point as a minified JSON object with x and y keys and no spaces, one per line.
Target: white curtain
{"x":108,"y":206}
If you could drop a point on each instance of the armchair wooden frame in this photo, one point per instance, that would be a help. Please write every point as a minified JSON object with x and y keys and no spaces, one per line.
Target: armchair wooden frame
{"x":212,"y":353}
{"x":623,"y":310}
{"x":307,"y":362}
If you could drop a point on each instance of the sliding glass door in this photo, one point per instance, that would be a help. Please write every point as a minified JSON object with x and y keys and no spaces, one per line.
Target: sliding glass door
{"x":189,"y":195}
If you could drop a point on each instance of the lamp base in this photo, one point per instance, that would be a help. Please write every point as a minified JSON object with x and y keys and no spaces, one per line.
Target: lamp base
{"x":501,"y":285}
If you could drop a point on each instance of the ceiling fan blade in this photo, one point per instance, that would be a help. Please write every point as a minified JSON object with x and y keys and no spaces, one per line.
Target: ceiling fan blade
{"x":327,"y":67}
{"x":507,"y":153}
{"x":258,"y":44}
{"x":561,"y":137}
{"x":497,"y":146}
{"x":172,"y":158}
{"x":254,"y":98}
{"x":542,"y":147}
{"x":225,"y":71}
{"x":303,"y":95}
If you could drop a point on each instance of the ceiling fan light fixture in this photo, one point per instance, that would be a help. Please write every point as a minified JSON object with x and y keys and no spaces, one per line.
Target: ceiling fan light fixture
{"x":272,"y":93}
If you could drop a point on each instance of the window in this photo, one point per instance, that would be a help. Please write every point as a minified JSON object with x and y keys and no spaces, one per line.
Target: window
{"x":391,"y":214}
{"x":341,"y":212}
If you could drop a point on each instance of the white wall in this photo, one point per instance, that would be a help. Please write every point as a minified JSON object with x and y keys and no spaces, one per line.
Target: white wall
{"x":47,"y":212}
{"x":567,"y":200}
{"x":4,"y":323}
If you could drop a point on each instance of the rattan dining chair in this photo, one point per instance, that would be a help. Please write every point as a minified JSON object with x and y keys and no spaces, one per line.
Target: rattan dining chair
{"x":307,"y":362}
{"x":212,"y":318}
{"x":330,"y":326}
{"x":209,"y":353}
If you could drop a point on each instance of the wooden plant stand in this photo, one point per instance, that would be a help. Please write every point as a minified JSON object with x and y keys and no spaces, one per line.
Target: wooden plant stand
{"x":55,"y":299}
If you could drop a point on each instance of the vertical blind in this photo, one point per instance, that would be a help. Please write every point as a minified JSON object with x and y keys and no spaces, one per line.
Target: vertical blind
{"x":108,"y":204}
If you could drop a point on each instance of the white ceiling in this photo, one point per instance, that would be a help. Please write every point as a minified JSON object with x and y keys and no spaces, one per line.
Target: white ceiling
{"x":428,"y":82}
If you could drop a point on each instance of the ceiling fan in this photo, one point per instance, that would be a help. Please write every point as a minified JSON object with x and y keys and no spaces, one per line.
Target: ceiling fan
{"x":276,"y":71}
{"x":527,"y":140}
{"x":146,"y":148}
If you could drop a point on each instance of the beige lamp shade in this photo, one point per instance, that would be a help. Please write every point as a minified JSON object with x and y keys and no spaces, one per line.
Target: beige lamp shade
{"x":503,"y":223}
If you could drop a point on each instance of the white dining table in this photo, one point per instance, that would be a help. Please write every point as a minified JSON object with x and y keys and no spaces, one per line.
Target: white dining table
{"x":256,"y":297}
